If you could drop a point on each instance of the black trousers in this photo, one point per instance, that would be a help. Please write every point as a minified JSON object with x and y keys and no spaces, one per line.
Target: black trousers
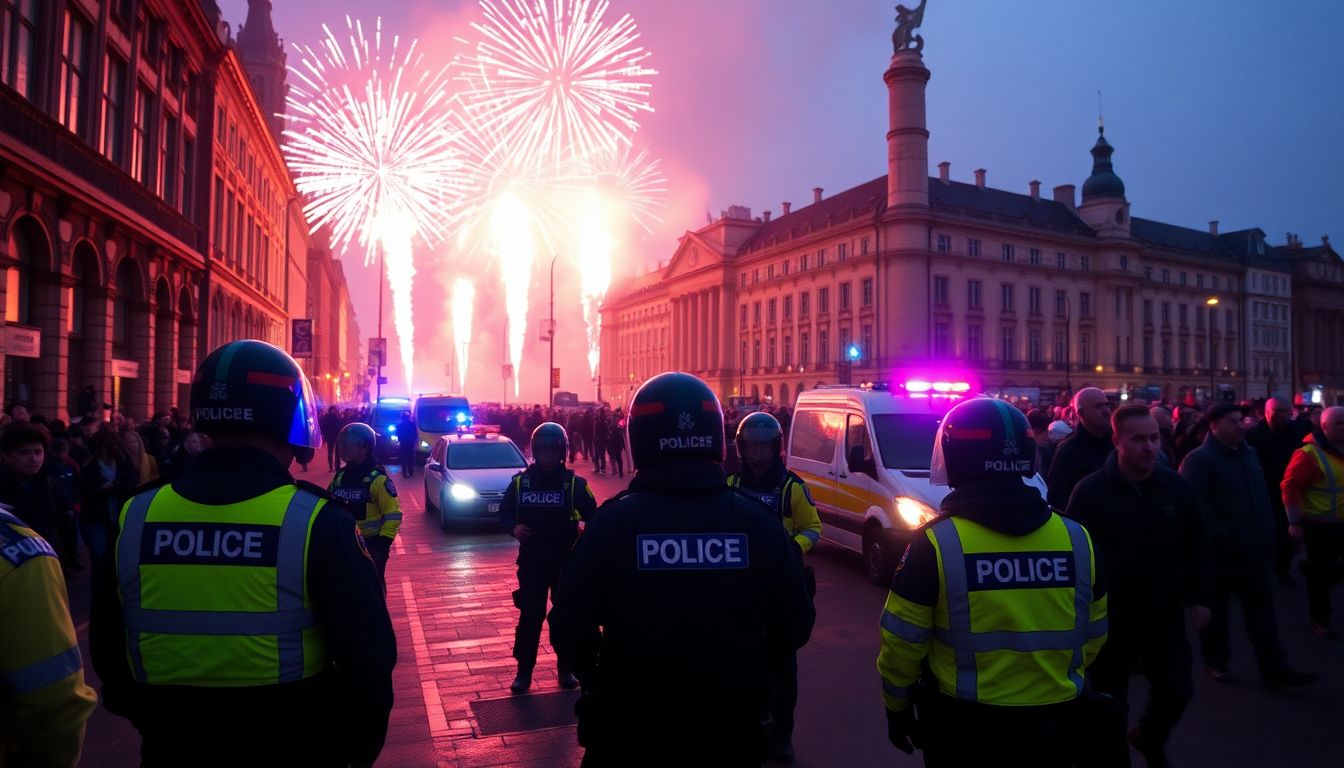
{"x":1283,"y":543}
{"x":538,"y":576}
{"x":959,"y":733}
{"x":332,"y":459}
{"x":1324,"y":543}
{"x":616,"y":459}
{"x":783,"y":693}
{"x":1158,"y":650}
{"x":1255,"y":592}
{"x":600,"y":455}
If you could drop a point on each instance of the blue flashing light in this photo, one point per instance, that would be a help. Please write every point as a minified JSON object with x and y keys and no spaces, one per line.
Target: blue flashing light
{"x":392,"y":429}
{"x":853,"y":352}
{"x":461,"y":417}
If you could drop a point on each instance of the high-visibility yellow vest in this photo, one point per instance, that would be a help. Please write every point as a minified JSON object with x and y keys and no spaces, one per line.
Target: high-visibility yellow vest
{"x":217,"y":596}
{"x":1321,"y":501}
{"x":1015,"y":614}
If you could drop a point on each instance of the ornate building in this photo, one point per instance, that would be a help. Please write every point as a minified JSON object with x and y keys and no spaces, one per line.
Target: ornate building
{"x":1318,"y":320}
{"x":146,"y":213}
{"x":1032,"y":296}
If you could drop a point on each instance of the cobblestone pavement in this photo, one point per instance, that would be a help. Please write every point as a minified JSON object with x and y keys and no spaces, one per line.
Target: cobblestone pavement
{"x":449,"y":597}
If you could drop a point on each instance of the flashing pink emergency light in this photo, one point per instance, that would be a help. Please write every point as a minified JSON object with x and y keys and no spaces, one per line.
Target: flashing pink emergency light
{"x":920,"y":386}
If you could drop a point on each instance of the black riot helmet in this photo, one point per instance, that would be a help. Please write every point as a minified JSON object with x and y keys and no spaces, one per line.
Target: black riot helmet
{"x":674,"y":416}
{"x":249,"y":387}
{"x":550,"y":443}
{"x":358,"y":432}
{"x":982,"y":438}
{"x":759,"y":437}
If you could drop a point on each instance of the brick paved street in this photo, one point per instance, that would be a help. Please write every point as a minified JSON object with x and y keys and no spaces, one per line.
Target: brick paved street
{"x":448,"y":594}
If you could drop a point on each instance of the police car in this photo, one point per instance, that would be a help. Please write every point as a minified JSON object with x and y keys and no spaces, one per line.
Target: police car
{"x":865,"y":453}
{"x":467,"y":473}
{"x":383,"y":417}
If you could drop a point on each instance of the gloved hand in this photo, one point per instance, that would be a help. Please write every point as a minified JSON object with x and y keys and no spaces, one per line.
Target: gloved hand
{"x":903,"y":730}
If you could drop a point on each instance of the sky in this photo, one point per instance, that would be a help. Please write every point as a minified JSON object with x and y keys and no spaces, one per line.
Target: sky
{"x":1217,"y":109}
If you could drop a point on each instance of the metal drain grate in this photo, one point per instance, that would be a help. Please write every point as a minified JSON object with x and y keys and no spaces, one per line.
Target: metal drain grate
{"x":524,"y":713}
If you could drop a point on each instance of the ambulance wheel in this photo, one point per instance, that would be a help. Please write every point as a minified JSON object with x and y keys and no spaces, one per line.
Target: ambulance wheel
{"x":880,"y":550}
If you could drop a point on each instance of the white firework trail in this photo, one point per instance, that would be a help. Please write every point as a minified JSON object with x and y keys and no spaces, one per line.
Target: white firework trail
{"x":463,"y":307}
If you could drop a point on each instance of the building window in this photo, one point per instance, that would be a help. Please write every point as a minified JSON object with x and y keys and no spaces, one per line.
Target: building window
{"x":743,"y":279}
{"x":169,"y":164}
{"x":188,"y":173}
{"x":1184,"y":359}
{"x":1084,"y":304}
{"x":944,"y":243}
{"x":1006,"y":294}
{"x":1215,"y":282}
{"x":844,"y":296}
{"x":1147,"y":273}
{"x":788,"y":308}
{"x":867,"y":291}
{"x":1061,"y":261}
{"x":1166,"y":276}
{"x":1007,"y":253}
{"x":18,"y":47}
{"x":941,"y":340}
{"x":1034,"y":300}
{"x":756,"y":313}
{"x":74,"y":68}
{"x":1199,"y":280}
{"x":802,"y":263}
{"x":770,"y":310}
{"x":866,"y":342}
{"x":863,"y":247}
{"x":1085,"y":349}
{"x":770,"y":353}
{"x":755,"y":276}
{"x":1166,"y":314}
{"x":1034,"y":256}
{"x":973,"y":247}
{"x":744,"y":317}
{"x":1061,"y":304}
{"x":823,"y":300}
{"x":1147,"y":351}
{"x":111,"y":132}
{"x":1147,"y":311}
{"x":756,"y":354}
{"x":1060,"y":351}
{"x":940,"y":289}
{"x":973,"y":294}
{"x":1034,"y":345}
{"x":823,"y":348}
{"x":821,"y":257}
{"x":743,"y":358}
{"x":974,"y":346}
{"x":1008,"y":345}
{"x":770,"y":272}
{"x":845,"y":340}
{"x":1184,"y":311}
{"x":218,"y":222}
{"x":142,"y":160}
{"x":842,"y":251}
{"x":1182,"y":278}
{"x":804,"y":304}
{"x":1084,"y":262}
{"x":804,"y":344}
{"x":784,"y":266}
{"x":788,"y":351}
{"x":1124,"y":263}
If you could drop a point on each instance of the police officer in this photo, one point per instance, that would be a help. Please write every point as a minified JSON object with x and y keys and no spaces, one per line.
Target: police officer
{"x":760,"y":441}
{"x":998,"y":600}
{"x":367,"y":491}
{"x":675,"y":596}
{"x":240,"y":620}
{"x":542,"y":509}
{"x":44,"y":702}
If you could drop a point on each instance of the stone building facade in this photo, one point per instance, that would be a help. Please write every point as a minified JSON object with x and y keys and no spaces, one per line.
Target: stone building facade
{"x":1029,"y":295}
{"x":146,"y":214}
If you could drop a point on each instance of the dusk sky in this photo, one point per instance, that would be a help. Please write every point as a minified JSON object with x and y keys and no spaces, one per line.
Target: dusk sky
{"x":1217,"y":110}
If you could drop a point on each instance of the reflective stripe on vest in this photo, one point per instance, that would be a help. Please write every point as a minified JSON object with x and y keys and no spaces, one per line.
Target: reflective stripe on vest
{"x":1322,"y":499}
{"x":286,"y":623}
{"x":966,"y":643}
{"x":42,"y":673}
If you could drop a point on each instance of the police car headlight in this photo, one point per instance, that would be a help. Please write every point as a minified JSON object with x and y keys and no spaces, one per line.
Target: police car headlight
{"x":423,"y":444}
{"x":462,"y":492}
{"x":914,"y":512}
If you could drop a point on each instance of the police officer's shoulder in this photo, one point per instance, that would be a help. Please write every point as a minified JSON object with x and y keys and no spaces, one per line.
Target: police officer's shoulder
{"x":378,"y":469}
{"x":19,"y":543}
{"x":318,"y":491}
{"x":157,"y":482}
{"x":753,"y":503}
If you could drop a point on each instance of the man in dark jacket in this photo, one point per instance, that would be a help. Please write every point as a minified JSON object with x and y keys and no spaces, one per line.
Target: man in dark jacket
{"x":330,"y":424}
{"x":1085,"y":450}
{"x":677,"y":593}
{"x":601,"y":428}
{"x":32,"y":493}
{"x":1234,"y":503}
{"x":408,"y":437}
{"x":1274,"y":440}
{"x":1146,"y":525}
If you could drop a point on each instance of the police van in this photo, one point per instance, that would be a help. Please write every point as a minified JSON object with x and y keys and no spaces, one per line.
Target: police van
{"x":865,"y":453}
{"x":437,"y":415}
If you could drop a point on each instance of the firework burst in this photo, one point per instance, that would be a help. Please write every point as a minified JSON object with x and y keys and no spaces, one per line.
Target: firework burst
{"x":372,"y":152}
{"x":555,"y":79}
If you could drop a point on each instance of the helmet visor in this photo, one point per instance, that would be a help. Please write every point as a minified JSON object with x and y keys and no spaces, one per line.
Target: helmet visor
{"x":303,"y":429}
{"x":759,"y":451}
{"x":937,"y":464}
{"x":549,"y":455}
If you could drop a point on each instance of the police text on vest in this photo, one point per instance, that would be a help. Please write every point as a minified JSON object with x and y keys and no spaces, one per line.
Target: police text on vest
{"x":1019,"y":570}
{"x":541,"y":498}
{"x":691,"y":551}
{"x":209,"y":544}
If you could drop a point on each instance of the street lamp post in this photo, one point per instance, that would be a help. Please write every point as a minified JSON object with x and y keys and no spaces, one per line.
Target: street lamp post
{"x":1211,"y":302}
{"x":382,"y":354}
{"x":550,"y":338}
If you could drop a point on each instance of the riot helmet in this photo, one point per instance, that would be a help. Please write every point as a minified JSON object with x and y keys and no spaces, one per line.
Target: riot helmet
{"x":759,"y":437}
{"x":550,"y":443}
{"x":982,"y":438}
{"x":673,"y":416}
{"x":250,"y":387}
{"x":357,"y":433}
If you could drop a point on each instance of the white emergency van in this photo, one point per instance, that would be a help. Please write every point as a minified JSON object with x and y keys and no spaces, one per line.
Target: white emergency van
{"x":865,"y":452}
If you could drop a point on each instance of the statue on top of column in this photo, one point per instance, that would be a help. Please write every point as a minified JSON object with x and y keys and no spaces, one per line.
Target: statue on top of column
{"x":907,"y":21}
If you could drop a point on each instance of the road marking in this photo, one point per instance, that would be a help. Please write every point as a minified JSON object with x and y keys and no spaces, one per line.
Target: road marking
{"x":399,"y":545}
{"x":429,"y":686}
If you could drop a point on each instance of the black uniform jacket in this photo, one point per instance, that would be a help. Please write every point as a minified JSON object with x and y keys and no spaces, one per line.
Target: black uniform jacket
{"x":1152,"y":543}
{"x":553,"y":526}
{"x":676,"y":594}
{"x":1081,"y":454}
{"x":337,"y":717}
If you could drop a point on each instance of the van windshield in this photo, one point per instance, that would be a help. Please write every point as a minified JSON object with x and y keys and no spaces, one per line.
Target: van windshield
{"x":388,"y":413}
{"x":442,"y":418}
{"x":905,"y":440}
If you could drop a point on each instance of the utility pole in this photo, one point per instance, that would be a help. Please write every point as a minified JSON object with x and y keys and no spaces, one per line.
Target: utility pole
{"x":550,"y":333}
{"x":382,"y":354}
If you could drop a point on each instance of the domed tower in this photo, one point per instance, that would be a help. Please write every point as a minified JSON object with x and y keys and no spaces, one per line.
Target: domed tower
{"x":1104,"y":207}
{"x":263,"y":56}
